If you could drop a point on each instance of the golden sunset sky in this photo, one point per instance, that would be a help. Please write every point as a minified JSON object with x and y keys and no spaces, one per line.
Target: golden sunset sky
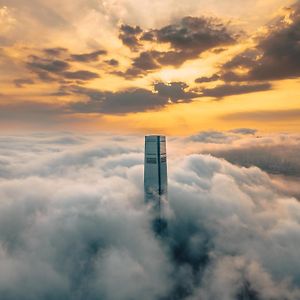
{"x":132,"y":66}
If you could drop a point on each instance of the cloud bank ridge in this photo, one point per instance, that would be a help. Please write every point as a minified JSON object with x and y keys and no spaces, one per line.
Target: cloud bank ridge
{"x":73,"y":226}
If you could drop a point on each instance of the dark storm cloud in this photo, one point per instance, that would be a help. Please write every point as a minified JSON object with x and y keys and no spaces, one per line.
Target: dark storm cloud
{"x":187,"y":39}
{"x":221,"y":91}
{"x":84,"y":230}
{"x":88,"y":57}
{"x":20,"y":82}
{"x":81,"y":75}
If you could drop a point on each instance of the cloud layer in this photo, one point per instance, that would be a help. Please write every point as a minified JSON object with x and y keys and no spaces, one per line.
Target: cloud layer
{"x":92,"y":59}
{"x":274,"y":57}
{"x":185,"y":40}
{"x":74,"y":226}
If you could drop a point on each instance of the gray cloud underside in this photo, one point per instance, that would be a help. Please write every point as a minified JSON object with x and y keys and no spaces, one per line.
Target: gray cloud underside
{"x":122,"y":102}
{"x":224,"y":90}
{"x":187,"y":38}
{"x":56,"y":51}
{"x":56,"y":64}
{"x":93,"y":100}
{"x":203,"y":79}
{"x":32,"y":113}
{"x":87,"y":57}
{"x":131,"y":100}
{"x":139,"y":100}
{"x":96,"y":101}
{"x":81,"y":75}
{"x":136,"y":100}
{"x":83,"y":230}
{"x":128,"y":36}
{"x":20,"y":82}
{"x":275,"y":57}
{"x":265,"y":115}
{"x":188,"y":34}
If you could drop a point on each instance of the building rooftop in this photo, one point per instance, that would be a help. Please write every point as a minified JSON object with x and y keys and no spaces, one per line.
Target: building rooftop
{"x":153,"y":138}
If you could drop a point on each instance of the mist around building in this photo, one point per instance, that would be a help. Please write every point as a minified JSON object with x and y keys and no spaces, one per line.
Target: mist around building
{"x":76,"y":223}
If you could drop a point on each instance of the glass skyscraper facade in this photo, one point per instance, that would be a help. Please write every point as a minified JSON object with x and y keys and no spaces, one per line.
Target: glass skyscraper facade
{"x":155,"y":170}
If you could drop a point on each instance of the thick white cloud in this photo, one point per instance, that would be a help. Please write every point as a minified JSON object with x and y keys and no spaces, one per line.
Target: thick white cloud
{"x":276,"y":154}
{"x":73,"y":225}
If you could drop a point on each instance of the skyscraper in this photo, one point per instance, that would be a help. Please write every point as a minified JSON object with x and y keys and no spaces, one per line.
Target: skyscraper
{"x":155,"y":170}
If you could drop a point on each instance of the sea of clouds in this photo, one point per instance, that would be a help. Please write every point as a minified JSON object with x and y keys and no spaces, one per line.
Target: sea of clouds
{"x":73,"y":224}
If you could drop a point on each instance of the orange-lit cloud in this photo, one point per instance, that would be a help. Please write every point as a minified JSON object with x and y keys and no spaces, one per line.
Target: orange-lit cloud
{"x":117,"y":65}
